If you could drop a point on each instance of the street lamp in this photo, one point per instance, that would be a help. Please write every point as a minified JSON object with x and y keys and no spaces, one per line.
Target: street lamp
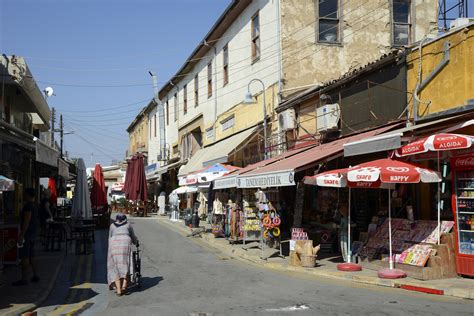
{"x":249,"y":100}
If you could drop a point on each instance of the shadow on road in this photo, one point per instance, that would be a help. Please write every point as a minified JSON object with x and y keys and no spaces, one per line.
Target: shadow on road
{"x":146,"y":283}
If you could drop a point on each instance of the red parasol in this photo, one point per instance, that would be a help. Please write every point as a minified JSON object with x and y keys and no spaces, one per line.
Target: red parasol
{"x":98,"y":194}
{"x":135,"y":180}
{"x":437,"y":142}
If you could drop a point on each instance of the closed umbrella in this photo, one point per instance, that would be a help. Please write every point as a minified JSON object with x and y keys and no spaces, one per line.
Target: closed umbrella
{"x":81,"y":201}
{"x":98,"y":193}
{"x":135,"y":181}
{"x":437,"y":143}
{"x":53,"y":198}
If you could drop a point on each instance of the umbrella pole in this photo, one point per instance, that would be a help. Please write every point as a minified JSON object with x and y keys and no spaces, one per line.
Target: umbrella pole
{"x":390,"y":230}
{"x":349,"y":252}
{"x":439,"y":206}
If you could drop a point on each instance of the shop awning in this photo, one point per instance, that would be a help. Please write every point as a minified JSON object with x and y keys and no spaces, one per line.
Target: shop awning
{"x":389,"y":140}
{"x":158,"y":171}
{"x":216,"y":153}
{"x":281,"y":173}
{"x":63,"y":168}
{"x":230,"y":181}
{"x":46,"y":154}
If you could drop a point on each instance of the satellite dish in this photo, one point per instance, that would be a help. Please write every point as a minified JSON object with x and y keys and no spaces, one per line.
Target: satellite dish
{"x":48,"y":91}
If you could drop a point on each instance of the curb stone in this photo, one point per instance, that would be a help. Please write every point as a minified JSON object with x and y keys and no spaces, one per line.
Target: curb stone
{"x":465,"y":293}
{"x":32,"y":306}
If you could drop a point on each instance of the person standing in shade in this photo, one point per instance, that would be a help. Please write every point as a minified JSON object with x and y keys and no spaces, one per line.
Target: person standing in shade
{"x":29,"y":222}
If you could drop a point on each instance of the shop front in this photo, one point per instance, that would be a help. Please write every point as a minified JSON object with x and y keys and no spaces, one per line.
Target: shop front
{"x":432,"y":232}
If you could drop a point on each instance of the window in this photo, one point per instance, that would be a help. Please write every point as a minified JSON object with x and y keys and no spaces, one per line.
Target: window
{"x":210,"y":133}
{"x":185,"y":99}
{"x":196,"y":90}
{"x":209,"y":80}
{"x":225,"y":70}
{"x":176,"y":109}
{"x":155,"y":124}
{"x":255,"y":37}
{"x":401,"y":22}
{"x":228,"y":123}
{"x":150,"y":126}
{"x":328,"y":11}
{"x":167,"y":112}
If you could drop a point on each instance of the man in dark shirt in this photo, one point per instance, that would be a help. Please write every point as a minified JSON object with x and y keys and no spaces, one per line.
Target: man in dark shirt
{"x":29,"y":223}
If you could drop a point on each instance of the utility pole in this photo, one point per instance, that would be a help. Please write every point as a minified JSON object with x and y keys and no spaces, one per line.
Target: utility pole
{"x":61,"y":131}
{"x":53,"y":120}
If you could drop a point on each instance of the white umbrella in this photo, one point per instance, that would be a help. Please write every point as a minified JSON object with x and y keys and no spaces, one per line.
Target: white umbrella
{"x":81,"y":201}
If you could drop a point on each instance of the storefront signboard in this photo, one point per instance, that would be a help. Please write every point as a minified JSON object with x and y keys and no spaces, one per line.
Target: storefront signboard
{"x":277,"y":179}
{"x":225,"y":183}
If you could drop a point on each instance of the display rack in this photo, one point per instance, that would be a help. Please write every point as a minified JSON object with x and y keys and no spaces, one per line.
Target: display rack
{"x":463,"y":208}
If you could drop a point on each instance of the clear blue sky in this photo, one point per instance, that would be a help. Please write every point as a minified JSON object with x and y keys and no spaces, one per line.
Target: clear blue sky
{"x":103,"y":42}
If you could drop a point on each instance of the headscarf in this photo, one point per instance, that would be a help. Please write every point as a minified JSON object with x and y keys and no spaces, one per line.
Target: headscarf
{"x":120,"y":219}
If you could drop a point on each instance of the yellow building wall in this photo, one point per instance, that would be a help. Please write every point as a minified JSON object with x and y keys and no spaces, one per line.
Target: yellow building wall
{"x":454,"y":85}
{"x":138,"y":137}
{"x":246,"y":115}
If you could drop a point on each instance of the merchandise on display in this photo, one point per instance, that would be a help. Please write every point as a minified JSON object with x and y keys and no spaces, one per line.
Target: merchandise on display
{"x":412,"y":243}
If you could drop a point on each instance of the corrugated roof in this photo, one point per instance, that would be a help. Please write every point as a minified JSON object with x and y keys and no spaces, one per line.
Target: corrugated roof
{"x":306,"y":158}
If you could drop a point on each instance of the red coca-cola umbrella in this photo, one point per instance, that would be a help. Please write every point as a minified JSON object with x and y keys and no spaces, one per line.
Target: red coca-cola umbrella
{"x":98,"y":193}
{"x":391,"y":171}
{"x":436,"y":143}
{"x":135,"y":180}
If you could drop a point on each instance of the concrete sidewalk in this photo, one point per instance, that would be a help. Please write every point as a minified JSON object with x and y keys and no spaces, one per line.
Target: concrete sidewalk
{"x":456,"y":287}
{"x":15,"y":300}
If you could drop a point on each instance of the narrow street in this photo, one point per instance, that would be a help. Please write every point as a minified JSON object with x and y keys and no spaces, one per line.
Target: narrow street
{"x":182,"y":277}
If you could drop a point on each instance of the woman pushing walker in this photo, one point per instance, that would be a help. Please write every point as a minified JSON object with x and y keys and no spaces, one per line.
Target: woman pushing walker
{"x":121,"y":237}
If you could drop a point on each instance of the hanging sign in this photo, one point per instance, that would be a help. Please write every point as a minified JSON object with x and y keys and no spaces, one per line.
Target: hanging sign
{"x":278,"y":179}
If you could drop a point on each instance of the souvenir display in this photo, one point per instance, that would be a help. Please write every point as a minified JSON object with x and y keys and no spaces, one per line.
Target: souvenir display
{"x":411,"y":242}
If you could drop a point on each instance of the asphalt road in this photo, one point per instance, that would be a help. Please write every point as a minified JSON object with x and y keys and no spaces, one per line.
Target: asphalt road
{"x":182,"y":276}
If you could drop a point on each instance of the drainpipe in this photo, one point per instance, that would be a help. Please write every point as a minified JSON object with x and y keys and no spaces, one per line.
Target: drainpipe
{"x":161,"y":117}
{"x":428,"y":79}
{"x":215,"y":85}
{"x":280,"y":65}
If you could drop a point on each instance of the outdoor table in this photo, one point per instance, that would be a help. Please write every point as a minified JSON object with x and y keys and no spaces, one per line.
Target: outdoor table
{"x":84,"y":237}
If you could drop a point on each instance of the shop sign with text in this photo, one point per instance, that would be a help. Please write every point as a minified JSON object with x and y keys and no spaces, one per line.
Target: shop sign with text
{"x":279,"y":179}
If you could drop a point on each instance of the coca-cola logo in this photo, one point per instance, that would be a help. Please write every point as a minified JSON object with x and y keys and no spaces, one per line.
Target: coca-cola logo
{"x":465,"y":162}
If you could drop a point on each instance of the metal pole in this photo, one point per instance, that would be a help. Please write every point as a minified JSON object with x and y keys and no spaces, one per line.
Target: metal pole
{"x":439,"y":206}
{"x":349,"y":252}
{"x":265,"y":156}
{"x":61,"y":130}
{"x":390,"y":230}
{"x":53,"y":120}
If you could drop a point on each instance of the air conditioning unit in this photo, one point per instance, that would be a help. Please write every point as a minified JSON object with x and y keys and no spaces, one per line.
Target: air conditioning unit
{"x":327,"y":117}
{"x":287,"y":120}
{"x":459,"y":22}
